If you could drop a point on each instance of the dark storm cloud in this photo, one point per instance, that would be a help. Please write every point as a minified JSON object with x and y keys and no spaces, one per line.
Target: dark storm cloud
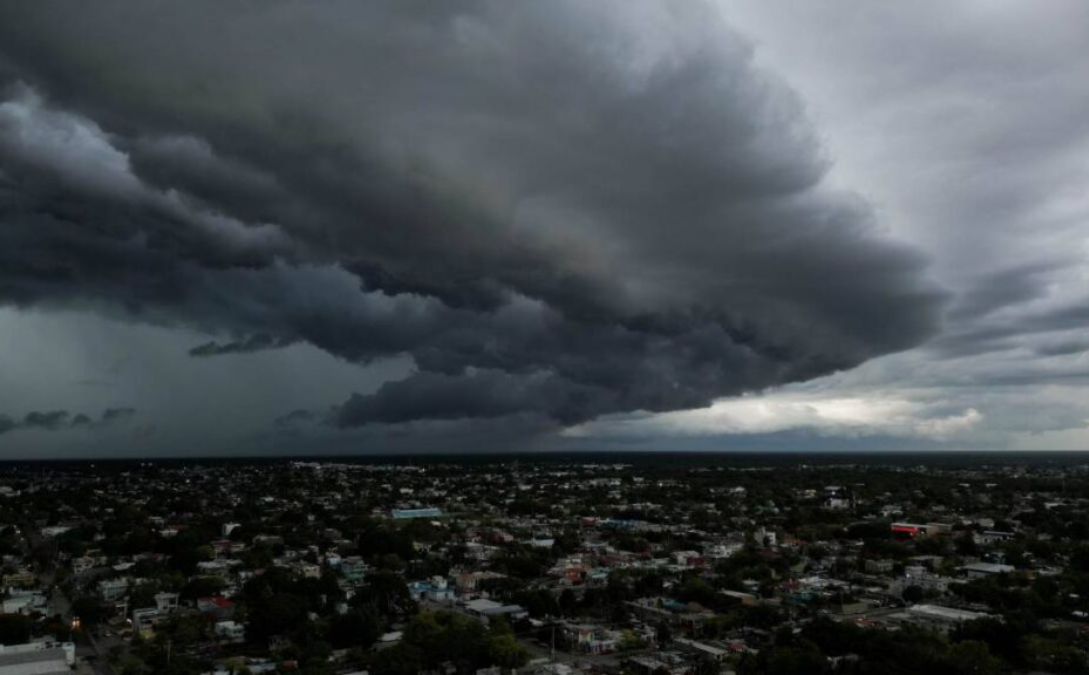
{"x":253,"y":343}
{"x":294,"y":417}
{"x":116,"y":414}
{"x":45,"y":420}
{"x":480,"y":395}
{"x":58,"y":420}
{"x":558,"y":210}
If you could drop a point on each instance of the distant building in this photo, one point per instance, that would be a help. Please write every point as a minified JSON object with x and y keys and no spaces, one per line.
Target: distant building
{"x":353,"y":569}
{"x":942,"y":617}
{"x":916,"y":530}
{"x":230,"y":630}
{"x":984,"y":569}
{"x":836,"y":498}
{"x":486,"y":609}
{"x":145,"y":619}
{"x":410,"y":514}
{"x":991,"y":537}
{"x":436,"y":590}
{"x":216,"y":605}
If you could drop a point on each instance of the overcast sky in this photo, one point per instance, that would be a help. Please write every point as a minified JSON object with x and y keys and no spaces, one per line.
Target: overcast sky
{"x":333,"y":227}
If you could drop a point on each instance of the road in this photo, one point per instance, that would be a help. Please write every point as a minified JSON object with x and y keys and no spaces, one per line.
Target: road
{"x":61,"y":605}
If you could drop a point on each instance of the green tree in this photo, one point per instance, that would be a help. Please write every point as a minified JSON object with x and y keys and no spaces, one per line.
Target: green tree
{"x":972,"y":657}
{"x":360,"y":627}
{"x":912,"y":594}
{"x":90,"y":610}
{"x":401,"y":659}
{"x":14,"y":629}
{"x":507,"y":652}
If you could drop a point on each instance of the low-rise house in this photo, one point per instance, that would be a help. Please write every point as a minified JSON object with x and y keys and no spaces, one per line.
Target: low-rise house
{"x":230,"y":631}
{"x":216,"y":605}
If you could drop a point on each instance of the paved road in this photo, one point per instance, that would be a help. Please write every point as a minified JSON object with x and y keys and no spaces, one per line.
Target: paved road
{"x":60,"y":604}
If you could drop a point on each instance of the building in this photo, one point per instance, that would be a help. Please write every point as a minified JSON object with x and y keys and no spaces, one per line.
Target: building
{"x":145,"y":619}
{"x":984,"y":569}
{"x":216,"y":605}
{"x":113,"y":589}
{"x":353,"y":569}
{"x":436,"y":590}
{"x":707,"y":651}
{"x":486,"y":609}
{"x":992,"y":537}
{"x":37,"y":658}
{"x":410,"y":514}
{"x":590,"y":638}
{"x":916,"y":530}
{"x":917,"y":575}
{"x":935,"y":616}
{"x":166,"y":602}
{"x":231,"y":631}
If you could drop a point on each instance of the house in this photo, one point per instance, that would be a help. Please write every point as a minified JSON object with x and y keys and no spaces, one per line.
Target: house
{"x":82,"y":564}
{"x":725,"y":550}
{"x":591,"y":638}
{"x":435,"y":590}
{"x":144,"y":620}
{"x":353,"y":569}
{"x":216,"y":605}
{"x":166,"y":602}
{"x":747,"y":599}
{"x":114,"y":589}
{"x":917,"y":575}
{"x":687,"y":559}
{"x":230,"y":631}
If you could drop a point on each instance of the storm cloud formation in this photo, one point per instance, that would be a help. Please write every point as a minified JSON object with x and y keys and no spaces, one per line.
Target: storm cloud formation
{"x":562,"y":210}
{"x":57,"y":420}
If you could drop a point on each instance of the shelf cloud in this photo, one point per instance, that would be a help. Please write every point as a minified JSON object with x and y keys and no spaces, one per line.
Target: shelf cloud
{"x":564,"y":210}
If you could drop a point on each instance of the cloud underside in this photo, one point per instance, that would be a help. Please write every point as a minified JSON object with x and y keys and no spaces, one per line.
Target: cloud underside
{"x":60,"y":420}
{"x":559,"y":210}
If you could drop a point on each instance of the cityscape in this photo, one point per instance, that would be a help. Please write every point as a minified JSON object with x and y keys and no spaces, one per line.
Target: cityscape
{"x":559,"y":566}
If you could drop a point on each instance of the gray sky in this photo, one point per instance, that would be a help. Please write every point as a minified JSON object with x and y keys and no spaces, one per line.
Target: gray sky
{"x":339,"y":227}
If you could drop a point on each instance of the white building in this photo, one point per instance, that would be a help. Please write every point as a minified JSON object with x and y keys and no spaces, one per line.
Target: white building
{"x":37,"y":658}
